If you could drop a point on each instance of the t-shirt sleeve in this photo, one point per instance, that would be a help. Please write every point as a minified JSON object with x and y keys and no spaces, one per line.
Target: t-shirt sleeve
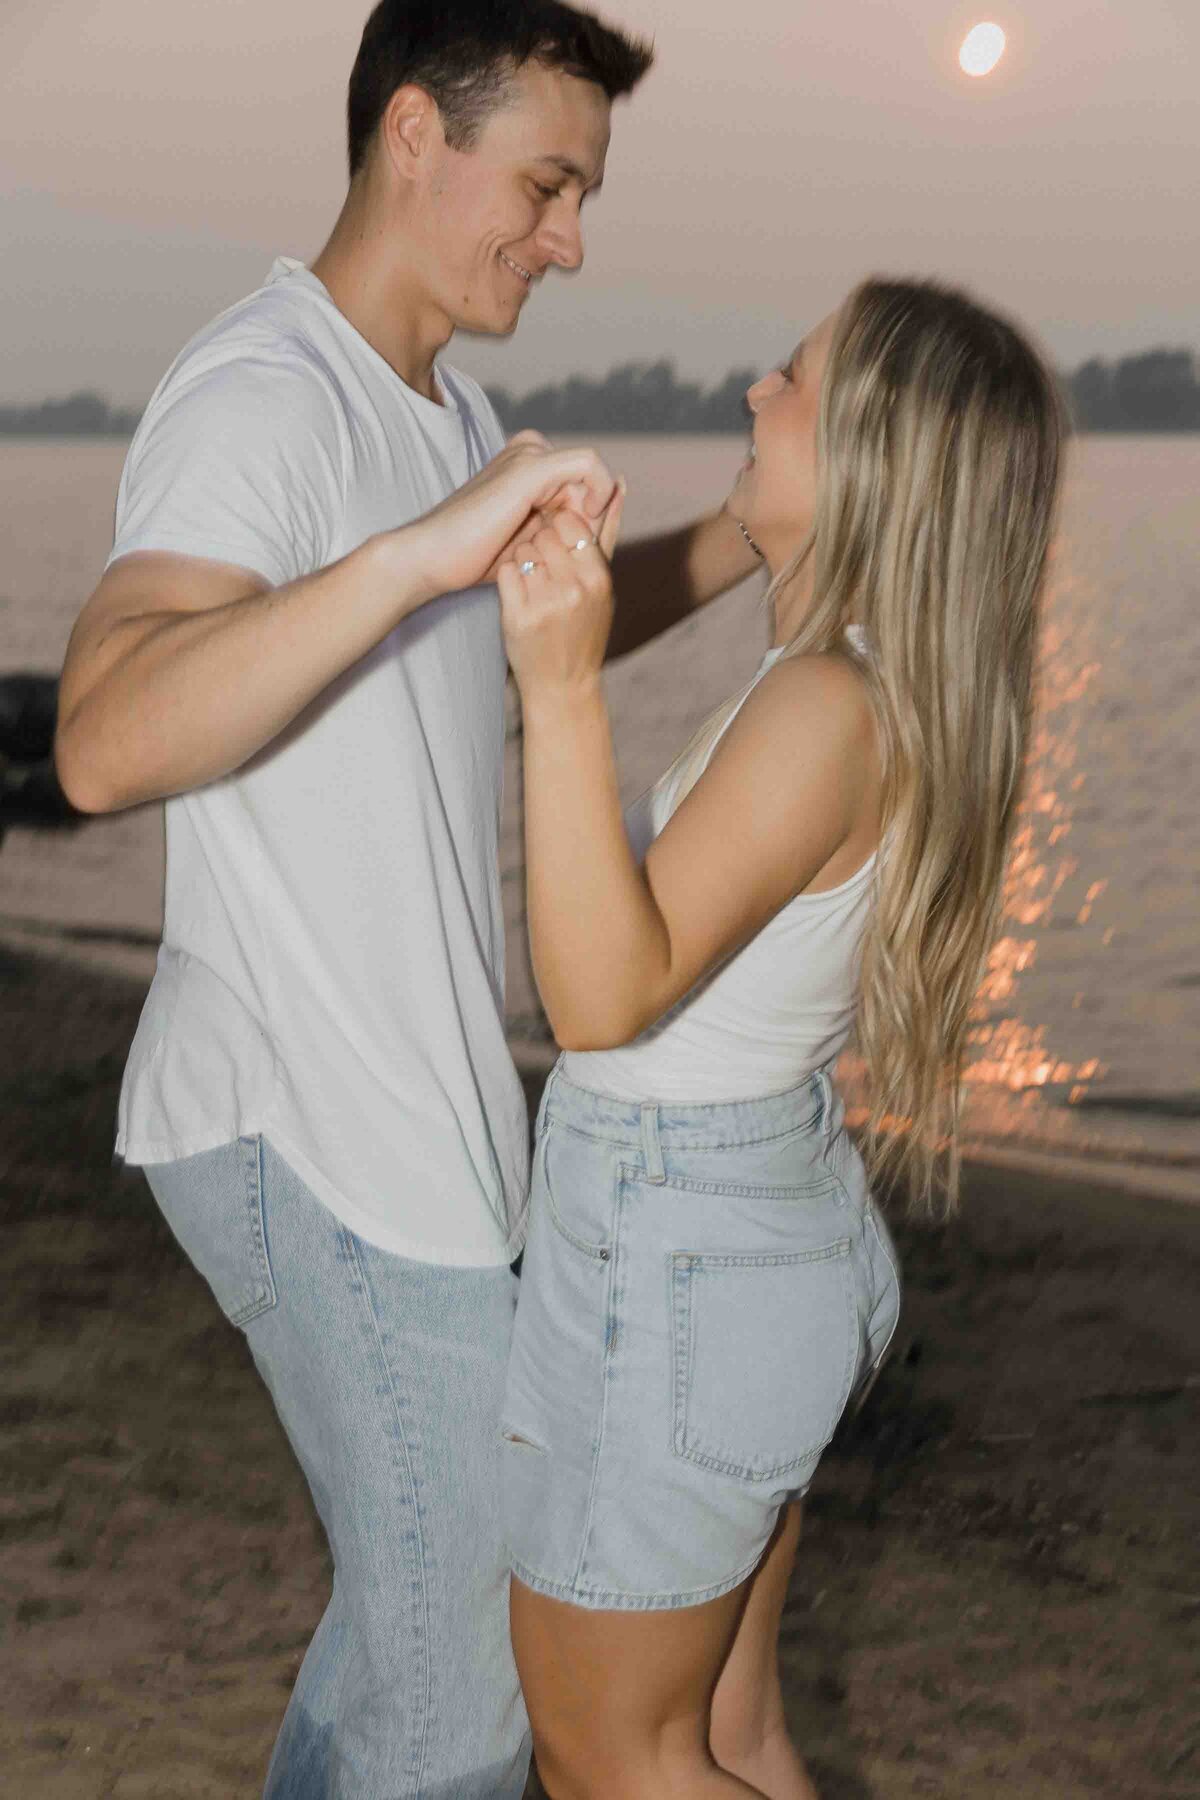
{"x":241,"y":463}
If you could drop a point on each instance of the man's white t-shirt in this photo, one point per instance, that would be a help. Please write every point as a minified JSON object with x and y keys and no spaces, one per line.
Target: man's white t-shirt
{"x":332,"y":966}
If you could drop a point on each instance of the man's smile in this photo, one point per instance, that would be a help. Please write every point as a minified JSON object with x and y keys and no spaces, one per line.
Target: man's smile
{"x":525,"y":274}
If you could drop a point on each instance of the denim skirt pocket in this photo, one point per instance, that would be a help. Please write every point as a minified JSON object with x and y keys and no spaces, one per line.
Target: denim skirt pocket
{"x":576,"y":1179}
{"x":213,"y":1203}
{"x":766,"y":1346}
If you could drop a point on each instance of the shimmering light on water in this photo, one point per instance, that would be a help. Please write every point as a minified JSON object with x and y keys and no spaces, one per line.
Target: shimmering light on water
{"x":1004,"y":1052}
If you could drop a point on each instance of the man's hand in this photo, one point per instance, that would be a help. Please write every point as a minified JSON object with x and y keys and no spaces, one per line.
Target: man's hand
{"x":462,"y":542}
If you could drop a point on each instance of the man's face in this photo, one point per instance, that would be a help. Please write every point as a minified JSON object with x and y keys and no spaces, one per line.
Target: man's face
{"x":501,"y":213}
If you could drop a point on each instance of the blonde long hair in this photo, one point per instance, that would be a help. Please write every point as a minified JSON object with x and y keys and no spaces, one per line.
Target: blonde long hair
{"x":939,"y":446}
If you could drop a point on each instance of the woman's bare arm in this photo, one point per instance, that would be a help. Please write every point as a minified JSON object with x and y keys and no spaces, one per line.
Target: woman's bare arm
{"x":659,"y":580}
{"x":790,"y":791}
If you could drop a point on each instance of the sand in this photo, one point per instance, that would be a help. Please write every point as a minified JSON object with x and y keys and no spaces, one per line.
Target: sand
{"x":998,"y":1593}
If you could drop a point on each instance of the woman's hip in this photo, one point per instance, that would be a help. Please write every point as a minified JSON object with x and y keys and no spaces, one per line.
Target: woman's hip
{"x":694,"y":1316}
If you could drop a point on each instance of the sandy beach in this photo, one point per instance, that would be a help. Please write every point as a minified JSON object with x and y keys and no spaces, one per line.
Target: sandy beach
{"x":999,"y":1591}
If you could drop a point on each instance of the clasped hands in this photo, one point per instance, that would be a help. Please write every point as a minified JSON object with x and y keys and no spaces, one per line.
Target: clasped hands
{"x":542,"y":523}
{"x":556,"y":594}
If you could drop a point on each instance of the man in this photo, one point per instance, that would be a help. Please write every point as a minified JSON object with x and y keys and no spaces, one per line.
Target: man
{"x":320,"y":1089}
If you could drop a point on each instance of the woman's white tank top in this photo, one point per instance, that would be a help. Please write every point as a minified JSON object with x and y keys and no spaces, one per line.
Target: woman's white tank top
{"x":772,"y":1013}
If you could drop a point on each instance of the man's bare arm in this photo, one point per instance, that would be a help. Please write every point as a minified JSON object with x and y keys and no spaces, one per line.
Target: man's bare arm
{"x":180,"y":669}
{"x":660,"y":580}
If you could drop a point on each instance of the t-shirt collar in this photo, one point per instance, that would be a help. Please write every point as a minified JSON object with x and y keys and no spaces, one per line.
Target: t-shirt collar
{"x":289,"y":268}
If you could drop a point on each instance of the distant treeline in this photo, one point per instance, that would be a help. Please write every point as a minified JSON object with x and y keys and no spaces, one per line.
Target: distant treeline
{"x":1157,"y":391}
{"x":80,"y":415}
{"x":633,"y":397}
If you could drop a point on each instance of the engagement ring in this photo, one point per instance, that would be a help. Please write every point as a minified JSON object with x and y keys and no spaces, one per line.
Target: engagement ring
{"x":527,"y":568}
{"x":583,"y":544}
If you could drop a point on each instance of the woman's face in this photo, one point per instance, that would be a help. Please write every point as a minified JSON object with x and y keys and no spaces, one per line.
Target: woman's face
{"x":774,"y":496}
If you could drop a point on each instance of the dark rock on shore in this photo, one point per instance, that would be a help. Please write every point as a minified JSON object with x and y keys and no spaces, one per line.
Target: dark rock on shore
{"x":30,"y":793}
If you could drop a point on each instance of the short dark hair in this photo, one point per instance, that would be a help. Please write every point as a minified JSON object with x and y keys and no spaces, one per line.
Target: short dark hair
{"x":464,"y":54}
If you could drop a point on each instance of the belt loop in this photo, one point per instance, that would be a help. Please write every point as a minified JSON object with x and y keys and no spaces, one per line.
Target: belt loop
{"x":651,"y":1147}
{"x":826,"y":1092}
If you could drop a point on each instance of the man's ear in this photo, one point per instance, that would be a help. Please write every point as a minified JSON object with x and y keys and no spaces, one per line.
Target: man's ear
{"x":411,"y":125}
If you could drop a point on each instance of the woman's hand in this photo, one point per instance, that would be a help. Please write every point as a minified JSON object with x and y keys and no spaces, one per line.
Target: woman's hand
{"x":557,"y":615}
{"x":462,"y":542}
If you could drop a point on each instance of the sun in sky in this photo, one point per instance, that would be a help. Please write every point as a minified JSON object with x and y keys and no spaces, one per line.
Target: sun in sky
{"x":982,"y":49}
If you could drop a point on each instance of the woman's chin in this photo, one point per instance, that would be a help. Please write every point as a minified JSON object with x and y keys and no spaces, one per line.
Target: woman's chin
{"x":738,"y":509}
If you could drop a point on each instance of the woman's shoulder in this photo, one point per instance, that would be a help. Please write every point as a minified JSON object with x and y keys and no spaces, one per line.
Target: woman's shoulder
{"x":821,"y":692}
{"x":803,"y":745}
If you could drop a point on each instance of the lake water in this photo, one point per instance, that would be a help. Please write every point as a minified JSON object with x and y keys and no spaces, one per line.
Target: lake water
{"x":1088,"y":1041}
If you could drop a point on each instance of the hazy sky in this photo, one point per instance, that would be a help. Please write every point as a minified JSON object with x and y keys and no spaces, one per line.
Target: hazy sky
{"x":156,"y":155}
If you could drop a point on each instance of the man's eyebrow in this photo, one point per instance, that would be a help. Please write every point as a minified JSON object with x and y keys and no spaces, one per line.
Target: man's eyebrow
{"x":575,"y":173}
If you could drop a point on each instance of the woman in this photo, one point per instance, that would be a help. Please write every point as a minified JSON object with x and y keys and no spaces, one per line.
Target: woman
{"x":707,"y":1280}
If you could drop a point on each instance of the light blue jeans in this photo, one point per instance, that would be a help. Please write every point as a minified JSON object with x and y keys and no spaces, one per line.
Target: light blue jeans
{"x":388,"y":1376}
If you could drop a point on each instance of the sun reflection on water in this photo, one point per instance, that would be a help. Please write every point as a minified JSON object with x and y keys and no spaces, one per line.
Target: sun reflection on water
{"x":1010,"y":1064}
{"x":1004,"y":1052}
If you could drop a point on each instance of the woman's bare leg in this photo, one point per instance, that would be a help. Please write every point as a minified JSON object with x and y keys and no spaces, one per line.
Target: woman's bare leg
{"x":748,"y":1735}
{"x":620,"y":1702}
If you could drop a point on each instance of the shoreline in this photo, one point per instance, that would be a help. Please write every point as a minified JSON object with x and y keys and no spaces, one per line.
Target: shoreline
{"x":1156,"y":433}
{"x":1094,"y":991}
{"x":130,"y":955}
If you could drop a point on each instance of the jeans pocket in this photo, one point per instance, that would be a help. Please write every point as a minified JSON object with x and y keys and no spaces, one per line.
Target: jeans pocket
{"x":765,"y":1351}
{"x":574,"y":1176}
{"x":213,"y":1203}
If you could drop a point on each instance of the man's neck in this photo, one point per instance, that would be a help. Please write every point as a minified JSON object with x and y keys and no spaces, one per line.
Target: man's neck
{"x":365,"y":280}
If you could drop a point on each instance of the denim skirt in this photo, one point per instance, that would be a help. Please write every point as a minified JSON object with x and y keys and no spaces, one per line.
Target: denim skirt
{"x":704,"y":1289}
